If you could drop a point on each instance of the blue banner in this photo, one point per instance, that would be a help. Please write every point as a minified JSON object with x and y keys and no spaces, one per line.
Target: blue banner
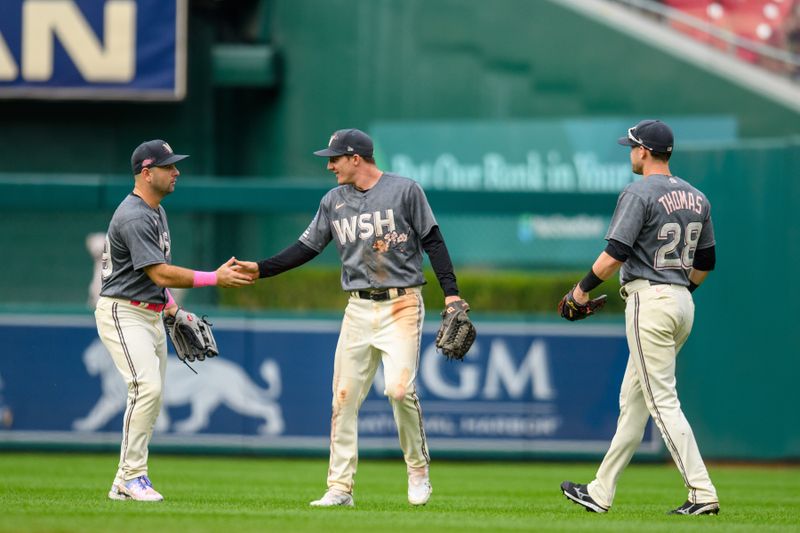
{"x":117,"y":49}
{"x":522,"y":388}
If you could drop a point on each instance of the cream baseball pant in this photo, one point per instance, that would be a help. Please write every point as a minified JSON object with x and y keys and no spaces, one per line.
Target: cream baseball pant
{"x":136,"y":340}
{"x":658,"y":320}
{"x":375,"y":331}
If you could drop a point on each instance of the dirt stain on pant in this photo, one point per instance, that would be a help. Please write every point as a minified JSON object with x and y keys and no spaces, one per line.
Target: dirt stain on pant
{"x":399,"y":392}
{"x":405,"y":312}
{"x":341,"y":396}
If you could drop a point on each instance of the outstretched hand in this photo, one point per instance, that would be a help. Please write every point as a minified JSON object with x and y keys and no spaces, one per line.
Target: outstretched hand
{"x":229,"y":276}
{"x":246,"y":267}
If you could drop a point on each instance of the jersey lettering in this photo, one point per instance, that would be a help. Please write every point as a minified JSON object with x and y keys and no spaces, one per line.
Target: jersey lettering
{"x":345,"y":229}
{"x":674,"y":200}
{"x":381,"y":222}
{"x":367,"y":224}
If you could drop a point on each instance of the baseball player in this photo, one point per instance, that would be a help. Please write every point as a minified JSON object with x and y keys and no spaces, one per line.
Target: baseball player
{"x":662,"y":238}
{"x":136,"y":272}
{"x":380,"y":223}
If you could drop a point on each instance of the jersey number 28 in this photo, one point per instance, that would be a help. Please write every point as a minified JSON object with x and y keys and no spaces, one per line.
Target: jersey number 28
{"x":672,"y":231}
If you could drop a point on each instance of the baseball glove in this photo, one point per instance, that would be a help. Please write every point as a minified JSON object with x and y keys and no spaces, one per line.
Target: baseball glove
{"x":571,"y":310}
{"x":456,"y":334}
{"x":191,"y":336}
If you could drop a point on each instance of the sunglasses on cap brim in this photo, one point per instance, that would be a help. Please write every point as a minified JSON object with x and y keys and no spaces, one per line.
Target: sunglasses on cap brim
{"x":637,"y":140}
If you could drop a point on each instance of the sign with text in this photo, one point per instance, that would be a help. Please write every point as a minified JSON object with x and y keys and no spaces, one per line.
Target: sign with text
{"x":84,"y":49}
{"x":566,"y":155}
{"x":522,"y":388}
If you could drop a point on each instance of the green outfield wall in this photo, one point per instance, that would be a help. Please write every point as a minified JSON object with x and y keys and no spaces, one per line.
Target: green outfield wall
{"x":260,"y":100}
{"x":736,"y":375}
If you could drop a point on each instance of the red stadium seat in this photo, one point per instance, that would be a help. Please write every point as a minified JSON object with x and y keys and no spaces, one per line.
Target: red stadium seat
{"x":761,"y":21}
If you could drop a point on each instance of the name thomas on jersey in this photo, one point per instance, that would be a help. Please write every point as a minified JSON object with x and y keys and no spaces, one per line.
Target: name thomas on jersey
{"x":675,"y":200}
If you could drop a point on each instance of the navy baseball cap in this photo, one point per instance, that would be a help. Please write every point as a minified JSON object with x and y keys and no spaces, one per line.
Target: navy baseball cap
{"x":155,"y":153}
{"x":347,"y":142}
{"x":652,"y":134}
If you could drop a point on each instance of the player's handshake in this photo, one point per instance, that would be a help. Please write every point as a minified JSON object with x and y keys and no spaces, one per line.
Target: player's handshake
{"x":248,"y":268}
{"x":231,"y":276}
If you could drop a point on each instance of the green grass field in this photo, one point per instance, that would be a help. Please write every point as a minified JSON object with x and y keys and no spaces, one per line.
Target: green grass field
{"x":65,"y":492}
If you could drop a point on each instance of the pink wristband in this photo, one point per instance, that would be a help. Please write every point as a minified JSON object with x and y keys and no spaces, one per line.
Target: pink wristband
{"x":204,"y":279}
{"x":170,"y":299}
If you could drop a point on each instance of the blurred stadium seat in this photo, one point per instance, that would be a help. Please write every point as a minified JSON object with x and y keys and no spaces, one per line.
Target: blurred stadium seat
{"x":767,"y":22}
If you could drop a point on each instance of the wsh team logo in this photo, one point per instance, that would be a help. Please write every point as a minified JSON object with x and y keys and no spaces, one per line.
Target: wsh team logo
{"x":364,"y":226}
{"x":220,"y":382}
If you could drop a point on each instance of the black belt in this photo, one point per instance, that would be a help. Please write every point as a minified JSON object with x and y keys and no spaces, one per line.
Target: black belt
{"x":379,"y":296}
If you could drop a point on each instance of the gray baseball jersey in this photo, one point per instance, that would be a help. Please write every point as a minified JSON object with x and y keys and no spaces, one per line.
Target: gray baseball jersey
{"x":664,"y":220}
{"x":138,"y":236}
{"x":377,"y":232}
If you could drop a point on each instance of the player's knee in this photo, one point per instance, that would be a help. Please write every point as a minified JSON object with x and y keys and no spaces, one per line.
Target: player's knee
{"x":341,"y":396}
{"x":397,"y":392}
{"x":149,"y":391}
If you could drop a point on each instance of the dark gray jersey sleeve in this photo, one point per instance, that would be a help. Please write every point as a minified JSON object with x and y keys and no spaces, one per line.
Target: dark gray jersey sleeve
{"x":628,"y":219}
{"x":318,"y":234}
{"x":142,"y":238}
{"x":420,"y":211}
{"x":707,"y":234}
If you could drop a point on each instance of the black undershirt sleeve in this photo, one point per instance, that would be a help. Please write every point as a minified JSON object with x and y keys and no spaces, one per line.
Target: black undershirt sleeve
{"x":618,"y":250}
{"x":290,"y":257}
{"x":434,"y":246}
{"x":705,"y":259}
{"x":590,"y":282}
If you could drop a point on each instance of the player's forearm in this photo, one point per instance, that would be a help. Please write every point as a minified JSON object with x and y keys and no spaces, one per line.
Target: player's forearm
{"x":705,"y":259}
{"x":290,"y":257}
{"x":172,"y":305}
{"x":165,"y":275}
{"x":696,"y":278}
{"x":171,"y":276}
{"x":434,"y":246}
{"x":605,"y":266}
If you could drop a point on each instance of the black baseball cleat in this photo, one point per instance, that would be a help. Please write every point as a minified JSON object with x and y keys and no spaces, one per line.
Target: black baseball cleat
{"x":580,"y":495}
{"x":697,"y":508}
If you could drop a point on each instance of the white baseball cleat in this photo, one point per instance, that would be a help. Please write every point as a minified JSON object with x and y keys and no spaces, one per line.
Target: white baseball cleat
{"x":139,"y":489}
{"x":333,"y":498}
{"x":115,"y":494}
{"x":419,"y":486}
